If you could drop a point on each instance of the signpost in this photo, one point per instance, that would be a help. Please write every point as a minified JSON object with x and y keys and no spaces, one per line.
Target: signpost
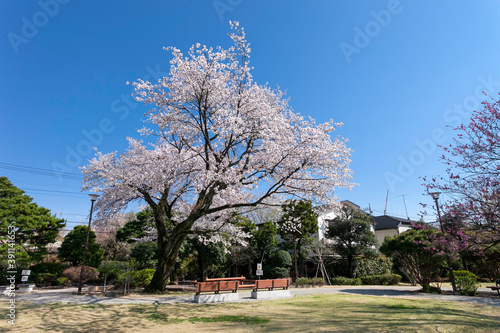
{"x":259,"y":270}
{"x":25,"y":274}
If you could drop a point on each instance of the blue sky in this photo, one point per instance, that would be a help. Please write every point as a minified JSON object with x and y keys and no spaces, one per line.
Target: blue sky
{"x":396,"y":73}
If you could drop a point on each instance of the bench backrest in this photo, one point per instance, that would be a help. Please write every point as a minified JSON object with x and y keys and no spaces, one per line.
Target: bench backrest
{"x":217,"y":286}
{"x":276,"y":283}
{"x":241,"y":278}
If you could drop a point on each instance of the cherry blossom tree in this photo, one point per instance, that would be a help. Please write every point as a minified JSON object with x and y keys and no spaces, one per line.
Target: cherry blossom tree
{"x":473,"y":173}
{"x":216,"y":143}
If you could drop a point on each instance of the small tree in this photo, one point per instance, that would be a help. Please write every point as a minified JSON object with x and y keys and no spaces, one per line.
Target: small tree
{"x":72,"y":248}
{"x":421,"y":257}
{"x":351,"y":236}
{"x":24,"y":226}
{"x":298,"y":228}
{"x":473,"y":172}
{"x":282,"y":261}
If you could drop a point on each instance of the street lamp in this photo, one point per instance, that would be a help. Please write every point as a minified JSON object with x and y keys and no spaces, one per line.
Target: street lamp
{"x":435,"y":196}
{"x":93,"y":198}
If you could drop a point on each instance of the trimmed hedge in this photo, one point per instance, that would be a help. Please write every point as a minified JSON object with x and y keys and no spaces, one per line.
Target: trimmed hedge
{"x":45,"y":279}
{"x":309,"y":282}
{"x":383,"y":279}
{"x":344,"y":281}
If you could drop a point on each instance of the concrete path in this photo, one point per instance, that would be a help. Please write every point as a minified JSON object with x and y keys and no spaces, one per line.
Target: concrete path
{"x":68,"y":296}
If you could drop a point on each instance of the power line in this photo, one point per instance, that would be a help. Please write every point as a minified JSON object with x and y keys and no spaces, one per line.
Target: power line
{"x":54,"y":191}
{"x":39,"y":171}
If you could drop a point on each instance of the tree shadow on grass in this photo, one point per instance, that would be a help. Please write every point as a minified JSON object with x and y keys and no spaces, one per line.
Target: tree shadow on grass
{"x":118,"y":318}
{"x":360,"y":315}
{"x":491,"y":301}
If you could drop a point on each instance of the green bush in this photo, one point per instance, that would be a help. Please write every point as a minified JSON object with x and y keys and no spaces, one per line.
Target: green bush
{"x":97,"y":280}
{"x":372,"y":266}
{"x":301,"y":282}
{"x":45,"y":279}
{"x":280,"y":272}
{"x":344,"y":281}
{"x":466,"y":282}
{"x":282,"y":259}
{"x":318,"y":282}
{"x":383,"y":279}
{"x":137,"y":278}
{"x":62,"y":281}
{"x":112,"y":269}
{"x":309,"y":282}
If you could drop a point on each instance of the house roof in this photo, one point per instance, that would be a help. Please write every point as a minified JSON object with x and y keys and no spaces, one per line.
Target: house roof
{"x":390,"y":222}
{"x":320,"y":210}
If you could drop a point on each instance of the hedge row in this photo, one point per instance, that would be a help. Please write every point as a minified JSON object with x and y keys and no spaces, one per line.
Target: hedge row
{"x":309,"y":282}
{"x":384,"y":279}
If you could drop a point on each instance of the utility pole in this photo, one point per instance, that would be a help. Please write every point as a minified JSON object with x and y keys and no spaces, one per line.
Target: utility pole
{"x":386,"y":197}
{"x":404,"y":201}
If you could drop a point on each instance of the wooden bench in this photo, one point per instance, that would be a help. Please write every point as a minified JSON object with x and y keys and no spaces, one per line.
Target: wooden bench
{"x":243,"y":282}
{"x":497,"y":287}
{"x":271,"y":284}
{"x":217,"y":286}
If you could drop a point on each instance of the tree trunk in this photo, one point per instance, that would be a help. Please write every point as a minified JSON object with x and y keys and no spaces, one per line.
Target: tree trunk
{"x":349,"y":265}
{"x":168,"y":251}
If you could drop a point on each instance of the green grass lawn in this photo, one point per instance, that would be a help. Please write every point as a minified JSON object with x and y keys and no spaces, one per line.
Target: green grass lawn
{"x":314,"y":313}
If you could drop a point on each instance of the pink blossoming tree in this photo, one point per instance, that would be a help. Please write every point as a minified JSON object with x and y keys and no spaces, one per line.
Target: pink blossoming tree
{"x":473,"y":174}
{"x":217,"y":143}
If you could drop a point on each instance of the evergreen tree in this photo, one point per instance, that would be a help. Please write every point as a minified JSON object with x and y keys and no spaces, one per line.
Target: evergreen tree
{"x":73,"y":246}
{"x":351,"y":236}
{"x":29,"y":226}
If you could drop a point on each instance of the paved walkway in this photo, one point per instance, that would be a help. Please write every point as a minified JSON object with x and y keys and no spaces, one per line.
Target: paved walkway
{"x":68,"y":296}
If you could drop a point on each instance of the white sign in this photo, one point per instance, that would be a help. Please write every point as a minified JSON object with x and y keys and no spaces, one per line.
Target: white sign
{"x":26,"y":272}
{"x":259,"y":266}
{"x":260,"y":272}
{"x":24,"y":278}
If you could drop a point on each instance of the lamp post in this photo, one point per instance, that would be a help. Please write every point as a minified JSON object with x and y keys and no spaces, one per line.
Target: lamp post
{"x":435,"y":196}
{"x":93,"y":198}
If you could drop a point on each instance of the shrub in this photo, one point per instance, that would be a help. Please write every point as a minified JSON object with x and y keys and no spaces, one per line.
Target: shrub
{"x":112,"y":269}
{"x":318,"y":282}
{"x":372,"y":266}
{"x":301,"y":282}
{"x":137,"y":278}
{"x":73,"y":273}
{"x":45,"y":279}
{"x":383,"y":279}
{"x":343,"y":281}
{"x":62,"y":281}
{"x":466,"y":282}
{"x":280,"y":272}
{"x":97,"y":280}
{"x":282,"y":259}
{"x":309,"y":282}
